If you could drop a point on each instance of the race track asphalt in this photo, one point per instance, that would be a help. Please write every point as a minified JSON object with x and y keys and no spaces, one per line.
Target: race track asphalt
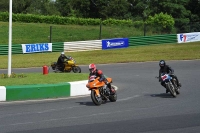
{"x":142,"y":105}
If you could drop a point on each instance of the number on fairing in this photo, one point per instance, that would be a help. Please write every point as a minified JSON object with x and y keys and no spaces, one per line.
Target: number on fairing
{"x":164,"y":77}
{"x":92,"y":78}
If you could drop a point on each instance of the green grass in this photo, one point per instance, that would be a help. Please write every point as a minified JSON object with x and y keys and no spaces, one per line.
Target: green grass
{"x":39,"y":33}
{"x":23,"y":33}
{"x":39,"y":78}
{"x":184,"y":51}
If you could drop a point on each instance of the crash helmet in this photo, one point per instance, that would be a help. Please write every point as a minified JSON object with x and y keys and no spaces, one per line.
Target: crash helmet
{"x":62,"y":54}
{"x":92,"y":68}
{"x":162,"y":63}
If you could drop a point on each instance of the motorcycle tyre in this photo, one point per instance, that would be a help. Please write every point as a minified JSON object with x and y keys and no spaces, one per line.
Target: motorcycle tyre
{"x":113,"y":98}
{"x":172,"y":91}
{"x":94,"y":98}
{"x":176,"y":87}
{"x":76,"y":69}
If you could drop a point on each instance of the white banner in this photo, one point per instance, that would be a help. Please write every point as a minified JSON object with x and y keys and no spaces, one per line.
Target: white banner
{"x":38,"y":47}
{"x":188,"y":37}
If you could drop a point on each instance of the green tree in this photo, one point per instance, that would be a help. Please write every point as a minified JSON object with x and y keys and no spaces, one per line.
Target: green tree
{"x":162,"y":22}
{"x":65,"y":7}
{"x":43,"y":7}
{"x":194,"y":7}
{"x":176,"y":8}
{"x":4,"y":5}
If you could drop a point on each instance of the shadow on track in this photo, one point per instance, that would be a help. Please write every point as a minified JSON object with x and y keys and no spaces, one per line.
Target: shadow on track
{"x":162,"y":95}
{"x":91,"y":103}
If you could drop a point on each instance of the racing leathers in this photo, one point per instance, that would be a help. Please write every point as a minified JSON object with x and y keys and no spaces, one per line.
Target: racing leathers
{"x":99,"y":73}
{"x":61,"y":60}
{"x":167,"y":70}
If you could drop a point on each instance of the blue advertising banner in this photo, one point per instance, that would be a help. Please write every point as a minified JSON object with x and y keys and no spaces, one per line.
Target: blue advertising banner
{"x":115,"y":43}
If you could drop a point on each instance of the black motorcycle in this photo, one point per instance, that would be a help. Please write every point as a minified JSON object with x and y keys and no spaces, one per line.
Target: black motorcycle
{"x":171,"y":84}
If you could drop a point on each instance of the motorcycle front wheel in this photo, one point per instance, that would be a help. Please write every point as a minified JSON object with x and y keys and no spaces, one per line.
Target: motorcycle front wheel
{"x":113,"y":97}
{"x":96,"y":100}
{"x":176,"y":86}
{"x":171,"y":89}
{"x":76,"y":69}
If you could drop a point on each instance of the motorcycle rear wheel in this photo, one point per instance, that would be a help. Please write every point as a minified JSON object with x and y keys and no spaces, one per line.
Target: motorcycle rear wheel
{"x":76,"y":69}
{"x":96,"y":100}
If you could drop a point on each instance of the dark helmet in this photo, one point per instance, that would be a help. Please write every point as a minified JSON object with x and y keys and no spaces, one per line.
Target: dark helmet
{"x":162,"y":63}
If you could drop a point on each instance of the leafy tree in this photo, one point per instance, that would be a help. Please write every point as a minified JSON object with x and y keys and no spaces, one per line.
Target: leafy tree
{"x":176,"y":8}
{"x":43,"y":7}
{"x":4,"y":5}
{"x":118,"y":9}
{"x":194,"y":7}
{"x":162,"y":22}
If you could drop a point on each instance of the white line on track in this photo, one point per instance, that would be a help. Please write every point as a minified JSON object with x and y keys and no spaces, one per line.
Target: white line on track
{"x":128,"y":98}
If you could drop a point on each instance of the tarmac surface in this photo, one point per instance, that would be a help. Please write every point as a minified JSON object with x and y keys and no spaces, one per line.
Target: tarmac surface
{"x":142,"y":105}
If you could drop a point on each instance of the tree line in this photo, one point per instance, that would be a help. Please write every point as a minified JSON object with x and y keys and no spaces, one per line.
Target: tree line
{"x":185,"y":12}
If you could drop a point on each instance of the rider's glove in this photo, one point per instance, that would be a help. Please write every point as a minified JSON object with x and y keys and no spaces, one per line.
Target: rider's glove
{"x":100,"y":80}
{"x":170,"y":73}
{"x":106,"y":82}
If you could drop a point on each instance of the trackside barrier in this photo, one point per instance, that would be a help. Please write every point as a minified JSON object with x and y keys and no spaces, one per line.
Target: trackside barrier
{"x":95,"y":44}
{"x":79,"y":88}
{"x":43,"y":91}
{"x":17,"y":48}
{"x":188,"y":37}
{"x":148,"y":40}
{"x":2,"y":93}
{"x":82,"y":46}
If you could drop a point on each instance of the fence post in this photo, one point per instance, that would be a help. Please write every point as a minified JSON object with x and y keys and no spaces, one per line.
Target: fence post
{"x":100,"y":29}
{"x":50,"y":37}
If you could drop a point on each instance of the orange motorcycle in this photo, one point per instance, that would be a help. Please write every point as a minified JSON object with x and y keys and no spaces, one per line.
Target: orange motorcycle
{"x":100,"y":92}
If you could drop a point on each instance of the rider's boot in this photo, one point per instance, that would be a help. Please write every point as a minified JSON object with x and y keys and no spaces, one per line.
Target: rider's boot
{"x":112,"y":91}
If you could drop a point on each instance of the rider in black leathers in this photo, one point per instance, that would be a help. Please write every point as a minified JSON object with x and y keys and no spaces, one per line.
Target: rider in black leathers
{"x":61,"y":60}
{"x":167,"y":69}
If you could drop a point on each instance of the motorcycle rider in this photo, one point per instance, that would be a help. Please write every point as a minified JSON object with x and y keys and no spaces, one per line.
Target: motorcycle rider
{"x":98,"y":73}
{"x":166,"y":69}
{"x":61,"y":60}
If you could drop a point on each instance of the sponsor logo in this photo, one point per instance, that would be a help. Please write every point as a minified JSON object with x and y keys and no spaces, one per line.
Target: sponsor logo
{"x":37,"y":47}
{"x":183,"y":37}
{"x":187,"y":37}
{"x":114,"y":44}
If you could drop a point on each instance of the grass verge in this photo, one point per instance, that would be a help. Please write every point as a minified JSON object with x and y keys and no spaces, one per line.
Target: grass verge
{"x":23,"y":33}
{"x":184,"y":51}
{"x":38,"y":78}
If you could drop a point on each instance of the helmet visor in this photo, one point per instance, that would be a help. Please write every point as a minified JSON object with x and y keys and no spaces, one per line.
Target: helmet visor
{"x":91,"y":70}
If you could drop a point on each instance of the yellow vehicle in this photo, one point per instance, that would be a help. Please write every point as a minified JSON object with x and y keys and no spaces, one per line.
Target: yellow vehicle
{"x":70,"y":65}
